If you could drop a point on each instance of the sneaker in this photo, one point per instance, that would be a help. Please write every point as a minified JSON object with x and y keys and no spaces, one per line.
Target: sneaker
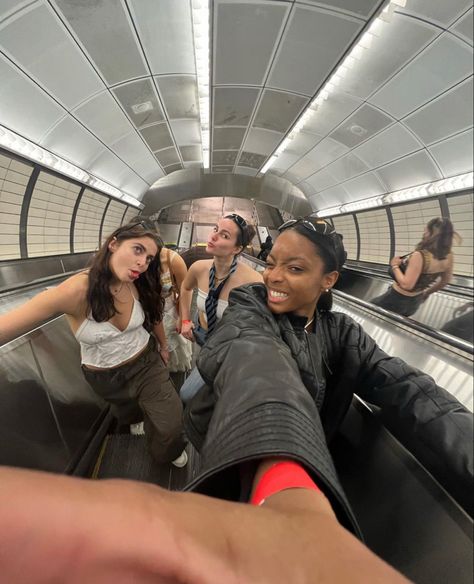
{"x":137,"y":429}
{"x":181,"y":461}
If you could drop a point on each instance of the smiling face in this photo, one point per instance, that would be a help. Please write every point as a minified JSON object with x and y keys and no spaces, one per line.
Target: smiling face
{"x":295,"y":275}
{"x":131,"y":257}
{"x":222,"y":241}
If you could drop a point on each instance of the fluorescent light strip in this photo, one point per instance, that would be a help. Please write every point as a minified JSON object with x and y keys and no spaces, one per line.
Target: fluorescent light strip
{"x":200,"y":14}
{"x":445,"y":185}
{"x":357,"y":53}
{"x":15,"y":143}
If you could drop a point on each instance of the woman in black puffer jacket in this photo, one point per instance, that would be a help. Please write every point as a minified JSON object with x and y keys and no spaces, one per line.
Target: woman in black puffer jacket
{"x":274,"y":337}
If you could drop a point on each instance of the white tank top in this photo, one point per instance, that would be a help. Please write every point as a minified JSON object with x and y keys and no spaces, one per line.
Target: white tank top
{"x":104,"y":345}
{"x":201,"y":305}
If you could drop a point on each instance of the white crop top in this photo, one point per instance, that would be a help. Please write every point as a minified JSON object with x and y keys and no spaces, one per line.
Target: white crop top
{"x":201,"y":305}
{"x":104,"y":345}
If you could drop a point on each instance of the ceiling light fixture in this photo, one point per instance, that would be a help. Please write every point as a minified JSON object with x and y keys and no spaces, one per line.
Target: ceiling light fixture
{"x":19,"y":145}
{"x":443,"y":186}
{"x":200,"y":15}
{"x":357,"y":53}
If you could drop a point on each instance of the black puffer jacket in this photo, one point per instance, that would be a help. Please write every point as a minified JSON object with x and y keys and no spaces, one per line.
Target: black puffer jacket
{"x":255,"y":404}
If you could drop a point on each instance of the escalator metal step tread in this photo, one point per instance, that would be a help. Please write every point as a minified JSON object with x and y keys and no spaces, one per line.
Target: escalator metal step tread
{"x":125,"y":456}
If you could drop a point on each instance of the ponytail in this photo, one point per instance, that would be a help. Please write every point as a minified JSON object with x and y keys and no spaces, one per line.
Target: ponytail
{"x":440,"y":238}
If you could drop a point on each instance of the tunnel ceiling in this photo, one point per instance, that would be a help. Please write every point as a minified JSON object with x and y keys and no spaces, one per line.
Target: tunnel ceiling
{"x":111,"y":86}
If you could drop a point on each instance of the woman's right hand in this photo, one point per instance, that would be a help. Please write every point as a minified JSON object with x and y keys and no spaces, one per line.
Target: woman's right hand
{"x":187,"y":329}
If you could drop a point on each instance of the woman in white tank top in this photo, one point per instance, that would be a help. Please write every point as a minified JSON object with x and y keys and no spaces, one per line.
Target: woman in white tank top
{"x":115,"y":311}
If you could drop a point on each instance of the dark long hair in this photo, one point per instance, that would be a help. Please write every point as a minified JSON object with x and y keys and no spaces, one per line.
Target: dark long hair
{"x":330,"y":249}
{"x":439,"y":240}
{"x":99,"y":297}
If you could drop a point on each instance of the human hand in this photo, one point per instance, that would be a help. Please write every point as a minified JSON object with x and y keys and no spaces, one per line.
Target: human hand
{"x":187,"y":327}
{"x":165,"y":355}
{"x":395,"y":261}
{"x":52,"y":516}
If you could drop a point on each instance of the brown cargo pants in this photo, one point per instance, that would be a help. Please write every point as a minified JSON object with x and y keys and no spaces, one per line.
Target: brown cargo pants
{"x":142,"y":390}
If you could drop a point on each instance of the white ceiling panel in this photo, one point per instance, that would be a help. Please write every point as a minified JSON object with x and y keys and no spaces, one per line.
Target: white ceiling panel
{"x":443,"y":12}
{"x":139,"y":100}
{"x":110,"y":168}
{"x":227,"y":138}
{"x":72,"y":141}
{"x":104,"y":30}
{"x":358,"y":7}
{"x":321,"y":180}
{"x":323,"y":154}
{"x":313,"y":42}
{"x":166,"y":33}
{"x":53,"y":59}
{"x":365,"y":186}
{"x":262,"y":141}
{"x":464,"y":26}
{"x":245,"y":170}
{"x":332,"y":112}
{"x":454,"y":155}
{"x":278,"y":110}
{"x":362,"y":124}
{"x":445,"y":62}
{"x":445,"y":116}
{"x":135,"y":186}
{"x":412,"y":170}
{"x":233,"y":106}
{"x":7,"y":7}
{"x":24,"y":107}
{"x":303,"y":143}
{"x":285,"y":161}
{"x":333,"y":196}
{"x":244,"y":40}
{"x":104,"y":118}
{"x":180,"y":96}
{"x":346,"y":167}
{"x":392,"y":143}
{"x":402,"y":38}
{"x":133,"y":152}
{"x":186,"y":132}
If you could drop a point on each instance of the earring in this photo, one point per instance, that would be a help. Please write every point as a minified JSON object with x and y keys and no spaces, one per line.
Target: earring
{"x":327,"y":289}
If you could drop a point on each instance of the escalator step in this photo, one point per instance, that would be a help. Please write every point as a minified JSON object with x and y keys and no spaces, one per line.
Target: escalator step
{"x":126,"y":456}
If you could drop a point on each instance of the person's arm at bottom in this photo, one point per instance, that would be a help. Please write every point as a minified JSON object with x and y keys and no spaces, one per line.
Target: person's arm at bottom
{"x":63,"y":529}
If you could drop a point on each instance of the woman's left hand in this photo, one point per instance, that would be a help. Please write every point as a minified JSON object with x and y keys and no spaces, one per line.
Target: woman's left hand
{"x":165,"y":355}
{"x":396,"y":261}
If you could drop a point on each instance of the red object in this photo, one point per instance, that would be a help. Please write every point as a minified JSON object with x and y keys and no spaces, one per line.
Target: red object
{"x":279,"y":477}
{"x":186,"y":321}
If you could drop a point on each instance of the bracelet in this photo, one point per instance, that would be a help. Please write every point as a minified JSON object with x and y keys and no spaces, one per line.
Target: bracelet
{"x":186,"y":321}
{"x":395,"y":267}
{"x":279,"y":477}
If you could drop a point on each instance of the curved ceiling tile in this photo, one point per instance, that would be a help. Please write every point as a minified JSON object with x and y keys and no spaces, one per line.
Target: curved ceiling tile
{"x":443,"y":64}
{"x":233,"y":106}
{"x":285,"y":161}
{"x":332,"y":112}
{"x":139,"y":100}
{"x":73,"y":142}
{"x":359,"y":7}
{"x":166,"y":34}
{"x":278,"y":110}
{"x":410,"y":171}
{"x":109,"y":168}
{"x":321,"y":180}
{"x":224,"y":157}
{"x":180,"y":96}
{"x":331,"y":197}
{"x":24,"y":107}
{"x":186,"y":132}
{"x":104,"y":30}
{"x":454,"y":155}
{"x":365,"y":186}
{"x":392,"y":143}
{"x":228,"y":138}
{"x":104,"y":118}
{"x":362,"y":124}
{"x":346,"y":168}
{"x":8,"y":7}
{"x":157,"y":136}
{"x":303,"y":143}
{"x":439,"y":12}
{"x":133,"y":152}
{"x":313,"y":42}
{"x":449,"y":114}
{"x":53,"y":59}
{"x":251,"y":159}
{"x":262,"y":141}
{"x":190,"y":153}
{"x":244,"y":40}
{"x":464,"y":27}
{"x":303,"y":168}
{"x":402,"y":38}
{"x":135,"y":186}
{"x":246,"y":171}
{"x":167,"y":157}
{"x":326,"y":152}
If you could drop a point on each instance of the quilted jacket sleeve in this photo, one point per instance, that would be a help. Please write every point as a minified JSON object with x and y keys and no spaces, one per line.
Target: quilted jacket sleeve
{"x":259,"y":408}
{"x":426,"y":418}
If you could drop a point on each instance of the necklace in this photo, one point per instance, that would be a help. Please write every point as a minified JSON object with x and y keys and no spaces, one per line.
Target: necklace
{"x":115,"y":292}
{"x":308,"y":324}
{"x":223,"y":277}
